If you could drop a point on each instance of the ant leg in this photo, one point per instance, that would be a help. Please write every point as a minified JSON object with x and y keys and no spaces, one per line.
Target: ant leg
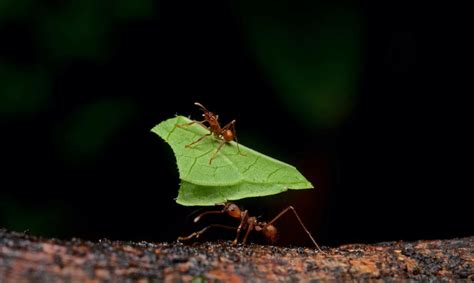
{"x":197,"y":218}
{"x":299,"y":219}
{"x":198,"y":140}
{"x":228,"y":125}
{"x":200,"y":232}
{"x":186,"y":124}
{"x":215,"y":153}
{"x":249,"y":229}
{"x":241,"y":225}
{"x":236,"y":140}
{"x":231,"y":126}
{"x":201,"y":123}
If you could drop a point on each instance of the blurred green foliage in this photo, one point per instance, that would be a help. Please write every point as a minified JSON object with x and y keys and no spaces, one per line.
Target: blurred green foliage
{"x":23,"y":91}
{"x":88,"y":130}
{"x":79,"y":29}
{"x":70,"y":30}
{"x":67,"y":31}
{"x":61,"y":34}
{"x":46,"y":219}
{"x":76,"y":30}
{"x":310,"y":52}
{"x":14,"y":9}
{"x":134,"y":10}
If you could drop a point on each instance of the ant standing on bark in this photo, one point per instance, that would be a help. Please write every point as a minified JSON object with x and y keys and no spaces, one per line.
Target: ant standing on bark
{"x":224,"y":134}
{"x":247,"y":224}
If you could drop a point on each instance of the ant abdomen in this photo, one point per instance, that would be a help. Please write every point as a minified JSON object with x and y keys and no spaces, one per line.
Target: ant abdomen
{"x":228,"y":135}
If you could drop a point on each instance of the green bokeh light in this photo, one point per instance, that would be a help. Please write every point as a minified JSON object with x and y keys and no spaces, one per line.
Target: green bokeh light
{"x":77,"y":30}
{"x":45,"y":219}
{"x":311,"y":57}
{"x":131,"y":10}
{"x":23,"y":91}
{"x":87,"y":132}
{"x":14,"y":9}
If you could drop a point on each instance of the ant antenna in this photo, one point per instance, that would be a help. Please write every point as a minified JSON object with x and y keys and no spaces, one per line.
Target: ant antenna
{"x":194,"y":212}
{"x":197,"y":218}
{"x":200,"y":105}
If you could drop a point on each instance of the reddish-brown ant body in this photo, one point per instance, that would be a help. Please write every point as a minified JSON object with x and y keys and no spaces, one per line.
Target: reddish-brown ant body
{"x":247,"y":223}
{"x":224,"y":134}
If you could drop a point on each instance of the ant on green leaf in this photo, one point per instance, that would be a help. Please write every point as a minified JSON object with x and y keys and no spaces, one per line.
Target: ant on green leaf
{"x":224,"y":134}
{"x":247,"y":224}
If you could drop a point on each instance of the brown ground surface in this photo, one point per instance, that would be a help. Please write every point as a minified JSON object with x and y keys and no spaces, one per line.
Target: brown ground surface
{"x":32,"y":259}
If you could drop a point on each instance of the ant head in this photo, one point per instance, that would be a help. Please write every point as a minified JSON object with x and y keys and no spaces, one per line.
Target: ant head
{"x":270,"y":232}
{"x":206,"y":113}
{"x":233,"y":210}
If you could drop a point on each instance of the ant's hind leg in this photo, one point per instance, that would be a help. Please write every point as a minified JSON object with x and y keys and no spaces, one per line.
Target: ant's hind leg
{"x":200,"y":139}
{"x":200,"y":232}
{"x":237,"y":142}
{"x":231,"y":126}
{"x":215,"y":153}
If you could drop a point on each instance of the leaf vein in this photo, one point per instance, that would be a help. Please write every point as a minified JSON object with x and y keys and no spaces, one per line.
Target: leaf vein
{"x":273,"y":173}
{"x":172,"y":130}
{"x":251,"y":165}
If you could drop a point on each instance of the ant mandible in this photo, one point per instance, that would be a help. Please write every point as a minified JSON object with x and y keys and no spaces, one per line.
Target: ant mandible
{"x":247,"y":224}
{"x":225,"y":134}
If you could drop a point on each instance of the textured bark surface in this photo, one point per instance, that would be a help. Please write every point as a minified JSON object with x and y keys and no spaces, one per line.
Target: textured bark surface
{"x":27,"y":258}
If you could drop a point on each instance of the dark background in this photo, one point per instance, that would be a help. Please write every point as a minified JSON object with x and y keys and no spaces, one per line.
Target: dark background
{"x":369,"y":102}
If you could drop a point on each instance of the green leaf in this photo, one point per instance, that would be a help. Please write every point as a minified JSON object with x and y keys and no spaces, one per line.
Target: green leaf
{"x":231,"y":176}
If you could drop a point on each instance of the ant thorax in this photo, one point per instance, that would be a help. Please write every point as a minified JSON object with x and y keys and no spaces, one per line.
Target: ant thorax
{"x":225,"y":134}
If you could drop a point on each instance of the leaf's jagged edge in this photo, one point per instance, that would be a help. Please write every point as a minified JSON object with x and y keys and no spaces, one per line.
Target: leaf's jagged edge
{"x":166,"y":128}
{"x":194,"y":195}
{"x":203,"y":192}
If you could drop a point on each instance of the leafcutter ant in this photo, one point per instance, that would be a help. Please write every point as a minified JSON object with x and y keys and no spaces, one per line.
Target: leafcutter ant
{"x":247,"y":224}
{"x":224,"y":134}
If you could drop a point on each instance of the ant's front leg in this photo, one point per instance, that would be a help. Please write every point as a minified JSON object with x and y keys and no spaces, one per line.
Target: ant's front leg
{"x":249,"y":229}
{"x":223,"y":210}
{"x":200,"y":232}
{"x":201,"y":123}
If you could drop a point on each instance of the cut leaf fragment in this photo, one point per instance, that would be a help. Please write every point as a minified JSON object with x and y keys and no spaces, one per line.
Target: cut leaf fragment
{"x":231,"y":176}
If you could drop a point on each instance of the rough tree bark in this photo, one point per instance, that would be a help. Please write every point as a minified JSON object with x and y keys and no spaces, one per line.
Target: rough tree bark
{"x":29,"y":258}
